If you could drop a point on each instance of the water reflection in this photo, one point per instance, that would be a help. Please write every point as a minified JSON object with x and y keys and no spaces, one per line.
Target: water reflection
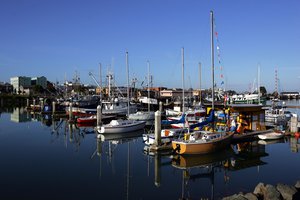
{"x":196,"y":167}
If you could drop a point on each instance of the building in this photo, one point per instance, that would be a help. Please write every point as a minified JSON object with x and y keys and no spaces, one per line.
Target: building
{"x":42,"y":81}
{"x":20,"y":81}
{"x":6,"y":88}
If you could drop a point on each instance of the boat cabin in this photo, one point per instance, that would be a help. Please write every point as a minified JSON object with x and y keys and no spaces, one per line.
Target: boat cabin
{"x":252,"y":116}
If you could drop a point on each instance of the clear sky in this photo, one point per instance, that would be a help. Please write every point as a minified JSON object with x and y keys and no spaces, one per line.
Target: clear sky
{"x":55,"y":38}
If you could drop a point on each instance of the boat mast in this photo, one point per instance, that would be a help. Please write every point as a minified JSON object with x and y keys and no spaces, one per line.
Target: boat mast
{"x":100,"y":79}
{"x":127,"y":69}
{"x":258,"y":83}
{"x":182,"y":58}
{"x":148,"y":90}
{"x":200,"y":94}
{"x":212,"y":59}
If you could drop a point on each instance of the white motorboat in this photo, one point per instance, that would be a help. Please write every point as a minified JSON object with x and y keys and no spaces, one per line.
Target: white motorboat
{"x":121,"y":126}
{"x":167,"y":135}
{"x":271,"y":136}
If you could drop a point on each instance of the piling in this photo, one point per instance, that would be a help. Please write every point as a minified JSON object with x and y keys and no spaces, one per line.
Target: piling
{"x":99,"y":116}
{"x":53,"y":107}
{"x":70,"y":111}
{"x":160,"y":106}
{"x":42,"y":105}
{"x":27,"y":103}
{"x":157,"y":165}
{"x":157,"y":128}
{"x":294,"y":123}
{"x":33,"y":104}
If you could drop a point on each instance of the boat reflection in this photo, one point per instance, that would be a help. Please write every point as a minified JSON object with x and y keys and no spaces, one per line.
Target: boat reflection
{"x":196,"y":168}
{"x":107,"y":147}
{"x":248,"y":154}
{"x":294,"y":144}
{"x":267,"y":142}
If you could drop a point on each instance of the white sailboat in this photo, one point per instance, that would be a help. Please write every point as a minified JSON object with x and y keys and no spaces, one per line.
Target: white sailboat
{"x":147,"y":115}
{"x":122,"y":126}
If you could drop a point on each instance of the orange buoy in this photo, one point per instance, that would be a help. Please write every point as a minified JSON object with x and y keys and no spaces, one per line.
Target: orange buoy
{"x":297,"y":134}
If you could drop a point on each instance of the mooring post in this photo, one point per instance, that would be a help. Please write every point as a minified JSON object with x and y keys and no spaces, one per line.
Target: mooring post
{"x":294,"y":122}
{"x":42,"y":105}
{"x":70,"y":111}
{"x":157,"y":128}
{"x":160,"y":106}
{"x":33,"y":105}
{"x":53,"y":107}
{"x":99,"y":115}
{"x":27,"y":103}
{"x":157,"y":165}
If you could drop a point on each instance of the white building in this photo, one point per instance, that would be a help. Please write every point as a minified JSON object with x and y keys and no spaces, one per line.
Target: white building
{"x":19,"y":81}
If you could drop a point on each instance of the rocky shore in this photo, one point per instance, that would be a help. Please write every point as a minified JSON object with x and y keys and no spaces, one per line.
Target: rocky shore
{"x":270,"y":192}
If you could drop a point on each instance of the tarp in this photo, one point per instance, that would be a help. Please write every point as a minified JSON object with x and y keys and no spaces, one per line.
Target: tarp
{"x":207,"y":121}
{"x":168,"y":122}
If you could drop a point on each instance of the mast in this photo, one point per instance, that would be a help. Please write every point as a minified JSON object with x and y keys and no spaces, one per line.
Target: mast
{"x":200,"y":94}
{"x":100,"y":79}
{"x":258,"y":82}
{"x":127,"y":69}
{"x":148,"y":86}
{"x":212,"y":59}
{"x":182,"y":58}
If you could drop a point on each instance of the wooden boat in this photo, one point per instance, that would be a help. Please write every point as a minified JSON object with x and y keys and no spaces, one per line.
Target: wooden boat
{"x":272,"y":135}
{"x":121,"y":126}
{"x":202,"y":142}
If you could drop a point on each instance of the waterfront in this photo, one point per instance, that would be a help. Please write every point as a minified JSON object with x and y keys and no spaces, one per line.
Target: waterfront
{"x":43,"y":158}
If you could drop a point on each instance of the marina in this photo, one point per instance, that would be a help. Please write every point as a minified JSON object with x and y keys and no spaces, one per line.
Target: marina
{"x":83,"y":114}
{"x":57,"y":158}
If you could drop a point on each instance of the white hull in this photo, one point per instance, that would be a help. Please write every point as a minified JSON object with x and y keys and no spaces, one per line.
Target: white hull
{"x":167,"y":135}
{"x":142,"y":116}
{"x":271,"y":136}
{"x":123,"y":126}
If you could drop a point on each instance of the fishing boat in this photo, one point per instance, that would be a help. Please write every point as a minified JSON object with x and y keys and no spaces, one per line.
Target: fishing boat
{"x":144,"y":115}
{"x":272,"y":135}
{"x":120,"y":125}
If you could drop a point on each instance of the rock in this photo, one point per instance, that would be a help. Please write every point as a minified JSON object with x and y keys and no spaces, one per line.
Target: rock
{"x":250,"y":196}
{"x":235,"y":197}
{"x":297,"y":185}
{"x":271,"y":193}
{"x":259,"y":189}
{"x":286,"y":191}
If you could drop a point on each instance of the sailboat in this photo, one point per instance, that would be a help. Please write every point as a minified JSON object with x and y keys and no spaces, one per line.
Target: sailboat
{"x":204,"y":142}
{"x":120,"y":125}
{"x":148,"y":115}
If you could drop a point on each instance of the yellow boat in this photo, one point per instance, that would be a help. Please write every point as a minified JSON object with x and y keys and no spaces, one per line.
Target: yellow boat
{"x":202,"y":142}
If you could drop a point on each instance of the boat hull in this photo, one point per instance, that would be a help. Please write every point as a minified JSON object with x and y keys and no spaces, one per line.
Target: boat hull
{"x":271,"y":136}
{"x":136,"y":125}
{"x":183,"y":147}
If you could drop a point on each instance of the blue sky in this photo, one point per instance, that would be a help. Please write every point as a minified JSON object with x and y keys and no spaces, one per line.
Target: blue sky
{"x":55,"y":38}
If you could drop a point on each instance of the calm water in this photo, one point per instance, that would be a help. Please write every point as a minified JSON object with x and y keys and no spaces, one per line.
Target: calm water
{"x":42,"y":158}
